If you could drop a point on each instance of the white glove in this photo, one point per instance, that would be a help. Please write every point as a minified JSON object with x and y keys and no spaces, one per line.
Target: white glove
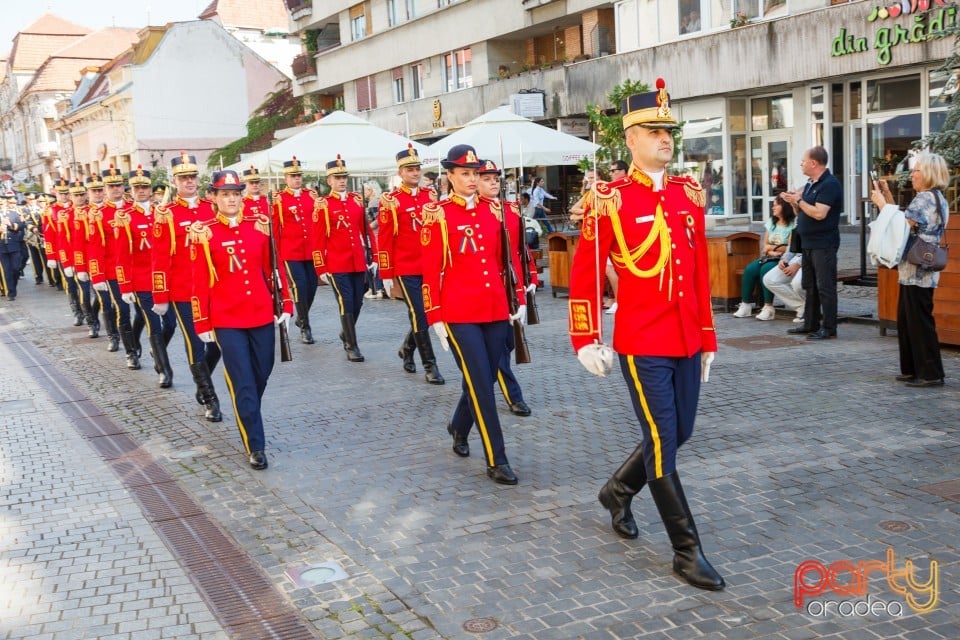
{"x":129,"y":298}
{"x":441,"y":331}
{"x":68,"y":271}
{"x":101,"y":286}
{"x":531,"y":288}
{"x":284,"y":319}
{"x":205,"y":336}
{"x":83,"y":276}
{"x":596,"y":358}
{"x":373,"y":267}
{"x":325,"y":278}
{"x":51,"y":264}
{"x":521,"y":315}
{"x":706,"y":359}
{"x":388,"y":285}
{"x":161,"y":308}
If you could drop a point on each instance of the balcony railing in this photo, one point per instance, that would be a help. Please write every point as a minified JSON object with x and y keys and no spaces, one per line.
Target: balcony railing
{"x":299,"y":8}
{"x":304,"y":66}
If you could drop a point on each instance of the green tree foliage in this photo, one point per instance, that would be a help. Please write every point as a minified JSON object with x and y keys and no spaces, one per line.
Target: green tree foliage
{"x":606,"y":120}
{"x":279,"y":111}
{"x":946,"y":142}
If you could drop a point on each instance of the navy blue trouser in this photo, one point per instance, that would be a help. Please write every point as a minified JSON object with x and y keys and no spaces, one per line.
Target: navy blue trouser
{"x":109,"y":310}
{"x":412,"y":289}
{"x":349,"y":289}
{"x":302,"y":280}
{"x":87,"y":299}
{"x":123,"y":309}
{"x":477,"y":349}
{"x":196,"y":348}
{"x":10,"y":266}
{"x":161,"y":325}
{"x":512,"y":392}
{"x":665,"y":392}
{"x":247,"y":364}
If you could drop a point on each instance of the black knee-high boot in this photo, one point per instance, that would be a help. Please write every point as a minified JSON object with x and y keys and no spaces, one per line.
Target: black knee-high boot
{"x":303,"y":321}
{"x":616,"y":495}
{"x":206,"y":391}
{"x":349,"y":326}
{"x":688,"y":560}
{"x":162,"y":360}
{"x":406,"y":353}
{"x":130,"y":347}
{"x":431,"y":372}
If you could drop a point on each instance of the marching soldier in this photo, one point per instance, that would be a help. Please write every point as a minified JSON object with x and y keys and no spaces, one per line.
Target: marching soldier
{"x":652,"y":225}
{"x":11,"y":235}
{"x":339,"y":229}
{"x":134,"y":229}
{"x":97,"y":236}
{"x":399,"y":257}
{"x":33,"y":219}
{"x":292,"y":210}
{"x":157,"y":194}
{"x":233,"y":303}
{"x":76,"y":240}
{"x":102,"y":256}
{"x":488,"y":188}
{"x":254,"y":202}
{"x":466,"y":301}
{"x":57,"y":245}
{"x":172,"y":270}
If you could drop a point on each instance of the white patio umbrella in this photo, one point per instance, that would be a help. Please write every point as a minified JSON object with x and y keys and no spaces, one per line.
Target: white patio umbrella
{"x":364,"y":147}
{"x":525,"y":143}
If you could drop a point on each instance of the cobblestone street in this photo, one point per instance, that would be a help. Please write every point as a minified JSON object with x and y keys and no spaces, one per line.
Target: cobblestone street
{"x":802,"y":452}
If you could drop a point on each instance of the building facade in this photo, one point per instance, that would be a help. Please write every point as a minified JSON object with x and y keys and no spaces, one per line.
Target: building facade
{"x":757,"y":82}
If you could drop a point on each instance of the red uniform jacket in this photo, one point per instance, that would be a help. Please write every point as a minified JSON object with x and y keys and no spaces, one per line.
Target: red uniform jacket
{"x":293,"y":218}
{"x":101,"y":244}
{"x":462,"y":264}
{"x":70,"y":238}
{"x":50,"y":232}
{"x":172,"y":268}
{"x":658,"y":245}
{"x":256,"y":206}
{"x":340,"y":230}
{"x":232,"y":286}
{"x":398,"y":238}
{"x":133,"y":240}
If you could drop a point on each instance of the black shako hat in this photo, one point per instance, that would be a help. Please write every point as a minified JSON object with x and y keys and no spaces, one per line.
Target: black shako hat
{"x":461,"y":155}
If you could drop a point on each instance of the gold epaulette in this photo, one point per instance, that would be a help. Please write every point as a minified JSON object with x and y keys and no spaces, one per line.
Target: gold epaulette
{"x":318,"y":204}
{"x":261,"y":223}
{"x":389,"y":201}
{"x":608,"y":197}
{"x":121,"y":217}
{"x":199,"y":233}
{"x":691,"y":188}
{"x":357,"y":198}
{"x":432,"y":212}
{"x":162,"y":214}
{"x":94,"y":214}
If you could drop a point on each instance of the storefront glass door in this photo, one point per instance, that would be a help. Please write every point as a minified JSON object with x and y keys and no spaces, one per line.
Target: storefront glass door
{"x":771,"y":171}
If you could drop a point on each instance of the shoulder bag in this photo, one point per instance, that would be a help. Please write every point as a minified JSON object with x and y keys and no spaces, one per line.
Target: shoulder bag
{"x":927,"y":255}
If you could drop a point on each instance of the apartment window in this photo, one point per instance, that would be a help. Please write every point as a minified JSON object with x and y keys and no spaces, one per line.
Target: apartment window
{"x":444,"y":3}
{"x":689,"y":17}
{"x":366,"y":93}
{"x":398,"y":85}
{"x":411,"y":9}
{"x":392,"y":13}
{"x":416,"y":81}
{"x":457,"y":70}
{"x":761,"y":8}
{"x":359,"y":25}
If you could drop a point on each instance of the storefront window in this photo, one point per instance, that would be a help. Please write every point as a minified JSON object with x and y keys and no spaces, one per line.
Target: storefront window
{"x":771,"y":113}
{"x":943,"y":88}
{"x":893,"y":93}
{"x":737,"y":114}
{"x":890,"y":141}
{"x":855,"y":97}
{"x":738,"y":146}
{"x":703,"y":159}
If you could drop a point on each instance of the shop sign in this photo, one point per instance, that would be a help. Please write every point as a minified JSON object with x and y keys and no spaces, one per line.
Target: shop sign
{"x":924,"y":20}
{"x":579,"y":127}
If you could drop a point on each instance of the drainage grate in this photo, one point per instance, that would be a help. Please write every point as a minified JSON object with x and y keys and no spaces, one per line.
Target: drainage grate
{"x":756,"y":343}
{"x":894,"y":526}
{"x":479,"y":625}
{"x":244,"y":599}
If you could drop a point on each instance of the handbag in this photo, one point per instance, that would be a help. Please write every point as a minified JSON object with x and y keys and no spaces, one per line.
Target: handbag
{"x":766,"y":259}
{"x":928,"y":256}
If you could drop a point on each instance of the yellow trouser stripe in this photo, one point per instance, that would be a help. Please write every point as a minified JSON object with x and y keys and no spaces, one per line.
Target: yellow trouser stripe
{"x":3,"y":279}
{"x":183,"y":331}
{"x":146,"y":320}
{"x":481,"y":425}
{"x":233,"y":401}
{"x":336,"y":292}
{"x":295,"y":293}
{"x":406,"y":298}
{"x":503,"y":386}
{"x":657,"y":452}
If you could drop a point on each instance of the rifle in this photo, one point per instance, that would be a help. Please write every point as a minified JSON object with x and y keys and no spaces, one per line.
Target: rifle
{"x":521,"y":350}
{"x":276,"y":288}
{"x":368,"y":255}
{"x":533,"y":314}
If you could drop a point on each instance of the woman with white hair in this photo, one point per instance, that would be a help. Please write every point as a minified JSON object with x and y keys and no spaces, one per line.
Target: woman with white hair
{"x":927,"y":214}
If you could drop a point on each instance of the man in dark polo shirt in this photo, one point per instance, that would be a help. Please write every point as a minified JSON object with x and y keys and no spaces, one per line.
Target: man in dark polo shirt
{"x":818,"y":205}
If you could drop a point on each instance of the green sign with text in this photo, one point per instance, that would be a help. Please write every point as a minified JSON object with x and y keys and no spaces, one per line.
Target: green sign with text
{"x":931,"y":19}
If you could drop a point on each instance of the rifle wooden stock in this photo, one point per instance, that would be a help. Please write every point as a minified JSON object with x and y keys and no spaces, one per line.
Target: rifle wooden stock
{"x":521,"y":350}
{"x":286,"y":354}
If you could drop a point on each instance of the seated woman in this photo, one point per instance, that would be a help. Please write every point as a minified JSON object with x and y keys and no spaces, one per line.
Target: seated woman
{"x":779,"y":228}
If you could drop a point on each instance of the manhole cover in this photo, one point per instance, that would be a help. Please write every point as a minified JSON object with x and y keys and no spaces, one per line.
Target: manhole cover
{"x":894,"y":526}
{"x":320,"y":573}
{"x":479,"y":625}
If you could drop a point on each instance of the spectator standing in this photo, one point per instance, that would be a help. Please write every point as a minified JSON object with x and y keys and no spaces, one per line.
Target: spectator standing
{"x":818,"y":207}
{"x":538,"y":198}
